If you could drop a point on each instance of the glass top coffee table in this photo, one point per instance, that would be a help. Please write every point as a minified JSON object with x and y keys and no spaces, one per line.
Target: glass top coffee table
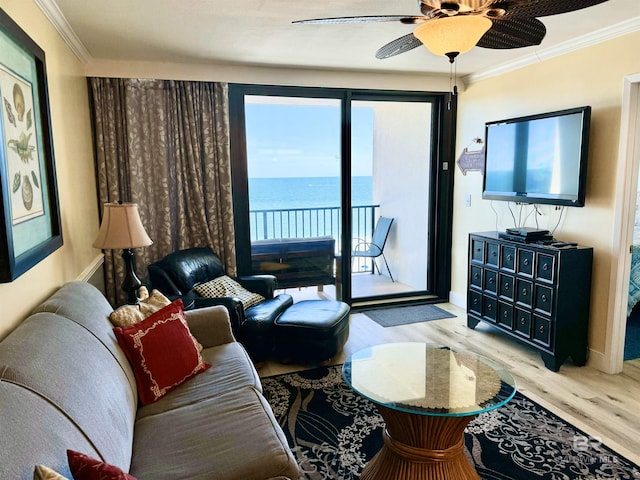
{"x":427,"y":394}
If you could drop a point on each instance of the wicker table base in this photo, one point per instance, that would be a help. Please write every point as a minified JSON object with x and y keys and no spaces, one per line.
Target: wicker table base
{"x":421,"y":447}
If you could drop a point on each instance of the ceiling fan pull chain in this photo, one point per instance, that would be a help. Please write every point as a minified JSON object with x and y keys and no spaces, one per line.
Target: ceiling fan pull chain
{"x":455,"y":78}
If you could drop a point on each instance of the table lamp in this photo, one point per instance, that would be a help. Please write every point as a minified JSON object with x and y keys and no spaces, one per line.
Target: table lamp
{"x":122,"y":228}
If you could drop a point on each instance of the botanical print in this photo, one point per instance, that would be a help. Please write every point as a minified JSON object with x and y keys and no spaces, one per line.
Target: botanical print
{"x":20,"y":142}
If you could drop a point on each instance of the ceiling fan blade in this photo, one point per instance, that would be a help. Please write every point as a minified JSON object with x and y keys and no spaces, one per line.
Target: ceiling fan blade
{"x":513,"y":32}
{"x":408,"y":19}
{"x":398,"y":46}
{"x":542,"y":8}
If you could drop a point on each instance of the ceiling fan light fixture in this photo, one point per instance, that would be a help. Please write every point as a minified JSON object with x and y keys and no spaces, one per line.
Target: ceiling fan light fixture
{"x":456,"y":34}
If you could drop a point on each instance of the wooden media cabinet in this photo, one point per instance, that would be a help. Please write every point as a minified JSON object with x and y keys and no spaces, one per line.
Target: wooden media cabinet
{"x":538,"y":294}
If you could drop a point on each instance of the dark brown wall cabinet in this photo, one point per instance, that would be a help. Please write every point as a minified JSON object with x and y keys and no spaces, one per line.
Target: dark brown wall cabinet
{"x":539,"y":294}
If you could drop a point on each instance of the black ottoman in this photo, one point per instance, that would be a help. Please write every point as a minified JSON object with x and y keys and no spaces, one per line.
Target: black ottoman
{"x":311,"y":331}
{"x":256,"y":331}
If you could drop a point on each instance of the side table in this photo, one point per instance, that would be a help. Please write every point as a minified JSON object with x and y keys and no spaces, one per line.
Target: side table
{"x":427,"y":394}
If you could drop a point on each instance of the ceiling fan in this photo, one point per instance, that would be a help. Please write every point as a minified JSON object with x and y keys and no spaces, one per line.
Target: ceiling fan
{"x":452,"y":27}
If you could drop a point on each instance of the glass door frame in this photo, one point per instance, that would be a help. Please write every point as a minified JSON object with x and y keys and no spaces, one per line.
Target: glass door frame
{"x":444,"y":108}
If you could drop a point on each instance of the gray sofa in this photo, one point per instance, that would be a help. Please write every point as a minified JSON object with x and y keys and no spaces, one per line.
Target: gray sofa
{"x":65,"y":384}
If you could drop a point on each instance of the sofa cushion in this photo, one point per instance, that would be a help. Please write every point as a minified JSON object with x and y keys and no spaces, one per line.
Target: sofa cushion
{"x":231,"y":436}
{"x":132,"y":314}
{"x":85,"y":305}
{"x":149,"y":304}
{"x":232,"y":369}
{"x":67,"y":366}
{"x":24,"y":442}
{"x":210,"y":326}
{"x":84,"y":467}
{"x":162,"y":352}
{"x":42,"y":472}
{"x":224,"y":286}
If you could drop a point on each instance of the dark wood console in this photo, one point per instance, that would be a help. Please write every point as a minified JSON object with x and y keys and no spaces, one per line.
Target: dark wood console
{"x":539,"y":294}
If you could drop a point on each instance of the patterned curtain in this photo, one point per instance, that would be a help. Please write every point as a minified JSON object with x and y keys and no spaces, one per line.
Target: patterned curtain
{"x":164,"y":145}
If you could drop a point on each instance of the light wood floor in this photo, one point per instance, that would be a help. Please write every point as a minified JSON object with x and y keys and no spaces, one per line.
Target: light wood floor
{"x":604,"y":406}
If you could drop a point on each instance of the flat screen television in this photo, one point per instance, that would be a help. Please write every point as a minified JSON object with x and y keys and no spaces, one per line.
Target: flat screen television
{"x":539,"y":158}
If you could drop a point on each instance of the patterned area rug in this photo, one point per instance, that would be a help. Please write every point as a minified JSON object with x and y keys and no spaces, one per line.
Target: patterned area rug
{"x":333,"y":432}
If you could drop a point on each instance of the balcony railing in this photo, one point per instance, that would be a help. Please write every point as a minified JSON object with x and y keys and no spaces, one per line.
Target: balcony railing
{"x":309,"y":222}
{"x":312,"y":222}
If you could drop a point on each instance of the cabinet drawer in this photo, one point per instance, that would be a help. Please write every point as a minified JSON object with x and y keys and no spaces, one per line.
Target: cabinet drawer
{"x":489,"y":308}
{"x":508,"y":258}
{"x":541,"y":330}
{"x":525,"y":262}
{"x":475,"y":303}
{"x":475,"y":276}
{"x":506,"y":286}
{"x":493,"y":252}
{"x":545,"y":267}
{"x":522,"y":323}
{"x":491,"y":281}
{"x":505,"y":315}
{"x":543,"y":300}
{"x":477,"y":250}
{"x":524,"y":292}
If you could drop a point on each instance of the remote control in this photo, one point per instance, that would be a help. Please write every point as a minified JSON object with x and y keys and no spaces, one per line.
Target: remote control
{"x":564,"y":244}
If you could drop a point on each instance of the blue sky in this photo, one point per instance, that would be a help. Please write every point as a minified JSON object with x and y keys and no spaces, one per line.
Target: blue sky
{"x":304,"y":141}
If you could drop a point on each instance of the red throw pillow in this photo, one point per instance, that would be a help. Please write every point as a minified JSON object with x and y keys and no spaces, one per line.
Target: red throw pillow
{"x":161,"y":352}
{"x":83,"y":467}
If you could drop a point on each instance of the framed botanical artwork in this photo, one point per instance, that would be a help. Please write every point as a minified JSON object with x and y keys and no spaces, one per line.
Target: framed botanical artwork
{"x":29,"y":211}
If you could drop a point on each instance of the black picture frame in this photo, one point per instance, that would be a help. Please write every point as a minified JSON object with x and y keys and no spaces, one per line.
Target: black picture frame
{"x":30,"y":228}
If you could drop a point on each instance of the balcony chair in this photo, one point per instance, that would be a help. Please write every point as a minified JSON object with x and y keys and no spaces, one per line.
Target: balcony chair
{"x":178,"y":274}
{"x":375,"y":248}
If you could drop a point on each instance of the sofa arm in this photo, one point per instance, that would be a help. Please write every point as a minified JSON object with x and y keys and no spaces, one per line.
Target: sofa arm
{"x":233,"y":305}
{"x":210,"y":325}
{"x":262,"y":284}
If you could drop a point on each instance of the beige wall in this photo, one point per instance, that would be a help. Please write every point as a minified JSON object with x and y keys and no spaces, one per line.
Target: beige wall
{"x":74,"y":167}
{"x":591,"y":76}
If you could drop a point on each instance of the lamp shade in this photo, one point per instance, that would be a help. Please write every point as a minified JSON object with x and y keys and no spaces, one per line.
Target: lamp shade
{"x":121,"y":228}
{"x":455,"y":34}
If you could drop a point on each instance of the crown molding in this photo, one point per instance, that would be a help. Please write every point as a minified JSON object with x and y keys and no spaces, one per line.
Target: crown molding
{"x":52,"y":12}
{"x":623,"y":28}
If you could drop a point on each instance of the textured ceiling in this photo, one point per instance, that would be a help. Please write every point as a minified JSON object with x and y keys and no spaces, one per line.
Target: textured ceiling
{"x":259,"y":32}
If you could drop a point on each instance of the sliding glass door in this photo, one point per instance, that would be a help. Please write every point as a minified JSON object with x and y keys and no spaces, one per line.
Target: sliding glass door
{"x":294,"y":182}
{"x":390,"y":196}
{"x":319,"y":173}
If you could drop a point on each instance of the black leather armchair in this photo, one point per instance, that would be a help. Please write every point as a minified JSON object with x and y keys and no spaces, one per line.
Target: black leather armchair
{"x":177,"y":274}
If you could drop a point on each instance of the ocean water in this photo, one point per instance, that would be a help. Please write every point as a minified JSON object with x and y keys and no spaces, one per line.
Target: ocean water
{"x":313,"y":193}
{"x":305,"y":192}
